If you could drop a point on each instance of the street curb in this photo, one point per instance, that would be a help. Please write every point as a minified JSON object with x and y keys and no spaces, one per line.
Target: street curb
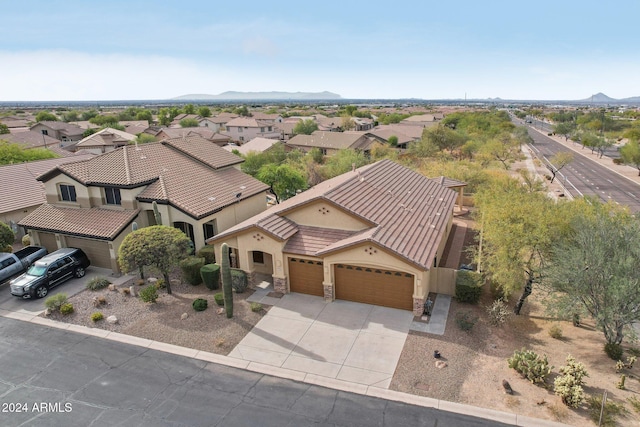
{"x":308,"y":378}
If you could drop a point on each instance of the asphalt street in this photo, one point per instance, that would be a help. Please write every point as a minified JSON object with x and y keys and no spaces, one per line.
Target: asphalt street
{"x":51,"y":377}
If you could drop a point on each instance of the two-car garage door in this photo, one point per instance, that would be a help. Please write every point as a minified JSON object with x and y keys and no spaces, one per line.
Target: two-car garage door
{"x":374,"y":286}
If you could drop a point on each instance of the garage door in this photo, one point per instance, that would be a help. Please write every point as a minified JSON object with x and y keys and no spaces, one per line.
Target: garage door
{"x":374,"y":286}
{"x":96,"y":250}
{"x":48,"y":240}
{"x":306,"y":276}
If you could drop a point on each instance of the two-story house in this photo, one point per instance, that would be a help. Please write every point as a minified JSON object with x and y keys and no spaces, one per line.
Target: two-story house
{"x":63,"y":132}
{"x":92,"y":204}
{"x":244,"y":129}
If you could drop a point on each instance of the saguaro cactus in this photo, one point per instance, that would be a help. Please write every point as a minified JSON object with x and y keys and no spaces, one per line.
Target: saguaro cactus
{"x":156,"y":213}
{"x":226,"y":281}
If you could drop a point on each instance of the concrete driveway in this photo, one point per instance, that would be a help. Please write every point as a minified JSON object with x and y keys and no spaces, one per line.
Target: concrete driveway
{"x":345,"y":340}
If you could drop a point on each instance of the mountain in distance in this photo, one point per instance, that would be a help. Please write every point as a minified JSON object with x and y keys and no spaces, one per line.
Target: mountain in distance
{"x":601,"y":98}
{"x":274,"y":95}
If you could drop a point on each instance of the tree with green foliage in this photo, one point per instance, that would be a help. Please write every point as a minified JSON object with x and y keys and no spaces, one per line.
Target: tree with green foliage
{"x":189,"y":109}
{"x":204,"y":111}
{"x":45,"y":116}
{"x":565,"y":129}
{"x":284,"y":180}
{"x":108,"y":120}
{"x":393,"y":141}
{"x":347,"y":123}
{"x":14,"y":153}
{"x":305,"y":127}
{"x":594,"y":268}
{"x":189,"y":123}
{"x":88,"y":115}
{"x":443,"y":137}
{"x":559,"y":161}
{"x":503,"y":148}
{"x":4,"y":129}
{"x":89,"y":132}
{"x":164,"y":117}
{"x":71,"y":116}
{"x":7,"y":236}
{"x":350,"y":109}
{"x":158,"y":245}
{"x":144,"y":115}
{"x":242,"y":111}
{"x":144,"y":138}
{"x":630,"y":154}
{"x":253,"y":161}
{"x":342,"y":162}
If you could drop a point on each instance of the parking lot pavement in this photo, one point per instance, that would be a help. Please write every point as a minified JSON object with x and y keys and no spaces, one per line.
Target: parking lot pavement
{"x":71,"y":287}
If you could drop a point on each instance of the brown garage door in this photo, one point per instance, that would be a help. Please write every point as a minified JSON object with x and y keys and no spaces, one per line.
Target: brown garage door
{"x":96,"y":250}
{"x":306,"y":276}
{"x":374,"y":286}
{"x":48,"y":240}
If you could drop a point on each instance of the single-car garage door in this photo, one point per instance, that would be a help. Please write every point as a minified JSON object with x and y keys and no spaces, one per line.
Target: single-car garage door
{"x":96,"y":250}
{"x":306,"y":276}
{"x":374,"y":286}
{"x":48,"y":240}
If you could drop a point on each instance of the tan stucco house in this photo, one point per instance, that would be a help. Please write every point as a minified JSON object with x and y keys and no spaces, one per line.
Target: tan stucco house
{"x":92,"y":204}
{"x":373,"y":235}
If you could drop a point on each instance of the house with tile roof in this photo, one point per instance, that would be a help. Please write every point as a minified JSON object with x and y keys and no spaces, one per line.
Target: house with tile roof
{"x":374,"y":235}
{"x":205,"y":132}
{"x":256,"y":145}
{"x":21,"y":193}
{"x":92,"y":204}
{"x":243,"y":129}
{"x":63,"y":132}
{"x":104,"y":140}
{"x":331,"y":142}
{"x":31,"y":139}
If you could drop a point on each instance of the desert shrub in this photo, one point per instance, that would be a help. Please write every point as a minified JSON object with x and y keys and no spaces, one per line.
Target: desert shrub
{"x":635,"y":403}
{"x":256,"y":307}
{"x":498,"y":312}
{"x":160,"y":284}
{"x":614,"y":351}
{"x":617,"y":161}
{"x":210,"y":274}
{"x":66,"y":308}
{"x":199,"y":304}
{"x":555,"y":331}
{"x":207,"y":252}
{"x":140,"y":282}
{"x":468,"y":286}
{"x":610,"y":411}
{"x":97,"y":283}
{"x":54,"y":302}
{"x":26,"y":240}
{"x":239,"y":281}
{"x":465,"y":320}
{"x":530,"y":365}
{"x":191,"y":269}
{"x":219,"y":299}
{"x":97,"y":316}
{"x":149,"y":293}
{"x":569,"y":384}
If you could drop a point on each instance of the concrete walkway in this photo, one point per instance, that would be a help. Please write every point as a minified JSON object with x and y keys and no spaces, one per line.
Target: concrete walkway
{"x":438,"y":319}
{"x":348,"y":341}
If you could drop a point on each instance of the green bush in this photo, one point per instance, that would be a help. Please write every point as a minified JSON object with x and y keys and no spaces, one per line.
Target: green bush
{"x":149,"y":293}
{"x":191,"y":269}
{"x":54,"y":302}
{"x":199,"y":304}
{"x":207,"y":252}
{"x":569,"y":385}
{"x":97,"y":283}
{"x":611,"y":410}
{"x":210,"y":274}
{"x":614,"y":351}
{"x":97,"y":316}
{"x":26,"y":240}
{"x":256,"y":307}
{"x":468,"y":286}
{"x":555,"y":331}
{"x":219,"y":299}
{"x":618,"y":161}
{"x":530,"y":365}
{"x":465,"y":320}
{"x":66,"y":308}
{"x":239,"y":281}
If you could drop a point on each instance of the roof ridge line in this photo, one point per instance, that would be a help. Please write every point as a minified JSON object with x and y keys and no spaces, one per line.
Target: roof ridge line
{"x":126,"y":164}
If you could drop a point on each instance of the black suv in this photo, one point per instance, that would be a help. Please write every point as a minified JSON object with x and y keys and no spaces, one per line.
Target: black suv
{"x":50,"y":271}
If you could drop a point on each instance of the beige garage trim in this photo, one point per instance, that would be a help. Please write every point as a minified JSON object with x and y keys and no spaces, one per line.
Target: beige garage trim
{"x":306,"y":276}
{"x":96,"y":250}
{"x":48,"y":240}
{"x":375,"y":286}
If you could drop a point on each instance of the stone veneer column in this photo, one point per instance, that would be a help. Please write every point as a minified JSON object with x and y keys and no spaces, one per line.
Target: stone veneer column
{"x":251,"y":279}
{"x":328,"y":291}
{"x":280,"y":284}
{"x":418,"y":306}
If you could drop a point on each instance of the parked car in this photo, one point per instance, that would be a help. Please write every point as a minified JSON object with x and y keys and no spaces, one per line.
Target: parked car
{"x":49,"y":272}
{"x":12,"y":265}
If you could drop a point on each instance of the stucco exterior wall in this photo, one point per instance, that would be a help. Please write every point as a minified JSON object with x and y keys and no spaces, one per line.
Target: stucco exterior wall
{"x":326,"y":215}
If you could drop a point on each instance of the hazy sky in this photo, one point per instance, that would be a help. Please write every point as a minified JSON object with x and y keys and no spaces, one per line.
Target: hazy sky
{"x":112,"y":49}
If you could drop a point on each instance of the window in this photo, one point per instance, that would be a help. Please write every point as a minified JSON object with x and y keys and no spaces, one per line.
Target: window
{"x":67,"y":193}
{"x":239,"y":129}
{"x":242,"y":138}
{"x":262,"y":130}
{"x":258,"y":257}
{"x":209,"y":229}
{"x":270,"y":128}
{"x":45,"y":132}
{"x":112,"y":196}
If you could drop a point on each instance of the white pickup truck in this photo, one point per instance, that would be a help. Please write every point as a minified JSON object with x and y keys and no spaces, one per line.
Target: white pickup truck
{"x":12,"y":265}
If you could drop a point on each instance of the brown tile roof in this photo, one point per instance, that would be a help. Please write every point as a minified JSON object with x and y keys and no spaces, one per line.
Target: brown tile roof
{"x":98,"y":223}
{"x":204,"y":132}
{"x":106,"y":137}
{"x":449,"y":182}
{"x":385,"y":134}
{"x":190,"y":173}
{"x":66,"y":128}
{"x":311,"y":240}
{"x":331,"y":140}
{"x":411,"y":130}
{"x":20,"y":189}
{"x":30,"y":139}
{"x":408,"y":211}
{"x":249,"y":122}
{"x":258,"y":145}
